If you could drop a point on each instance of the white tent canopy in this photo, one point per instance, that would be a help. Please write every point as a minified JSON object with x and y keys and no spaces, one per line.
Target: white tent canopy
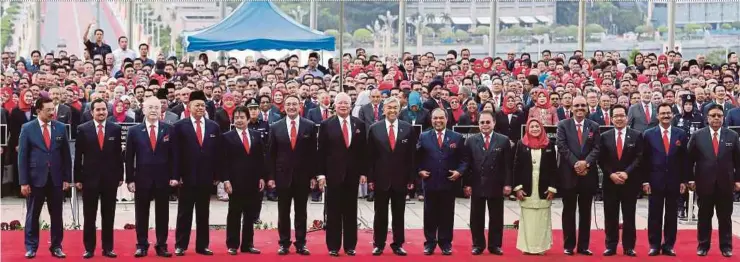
{"x":509,"y":20}
{"x":461,"y":20}
{"x":528,"y":19}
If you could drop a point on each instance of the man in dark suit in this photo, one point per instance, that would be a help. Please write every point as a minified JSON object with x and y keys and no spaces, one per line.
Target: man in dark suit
{"x":267,"y":112}
{"x":242,"y":166}
{"x":372,"y":112}
{"x":45,"y":170}
{"x":441,"y":158}
{"x":196,"y":158}
{"x":488,"y":181}
{"x":619,"y":160}
{"x":577,"y":141}
{"x":342,"y":144}
{"x":62,"y":112}
{"x":714,"y":152}
{"x":150,"y":163}
{"x":321,"y":112}
{"x":99,"y":168}
{"x":664,"y":179}
{"x":391,"y":146}
{"x":436,"y":88}
{"x":602,"y":114}
{"x":291,"y":166}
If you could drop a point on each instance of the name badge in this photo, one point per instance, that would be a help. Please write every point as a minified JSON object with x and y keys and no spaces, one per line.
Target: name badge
{"x":111,"y":138}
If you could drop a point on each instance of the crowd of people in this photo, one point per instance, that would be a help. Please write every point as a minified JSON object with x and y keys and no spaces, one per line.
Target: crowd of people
{"x":572,"y":127}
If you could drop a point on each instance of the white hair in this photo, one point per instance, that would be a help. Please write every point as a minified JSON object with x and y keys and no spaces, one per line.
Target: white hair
{"x":390,"y":100}
{"x":342,"y":96}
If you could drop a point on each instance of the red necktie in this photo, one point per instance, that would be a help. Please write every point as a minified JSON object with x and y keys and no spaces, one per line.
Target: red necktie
{"x":666,"y":144}
{"x":375,"y":112}
{"x":647,"y":113}
{"x":325,"y":114}
{"x":580,"y":134}
{"x":715,"y":144}
{"x":245,"y":141}
{"x":345,"y":133}
{"x":439,"y":139}
{"x":487,"y":141}
{"x":47,"y":136}
{"x":100,"y":136}
{"x":199,"y":132}
{"x":264,"y":116}
{"x":293,"y":134}
{"x":619,"y":145}
{"x":187,"y":113}
{"x":606,"y":119}
{"x":152,"y":137}
{"x":55,"y":114}
{"x":392,"y":137}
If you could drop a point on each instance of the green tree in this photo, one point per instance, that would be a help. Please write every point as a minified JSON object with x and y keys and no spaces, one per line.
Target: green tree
{"x":736,"y":24}
{"x":540,"y":30}
{"x":594,"y":29}
{"x":462,"y":35}
{"x":481,"y":30}
{"x":716,"y":57}
{"x":515,"y":30}
{"x":663,"y":29}
{"x":691,"y":28}
{"x":427,"y":31}
{"x":362,"y":35}
{"x":632,"y":55}
{"x":726,"y":26}
{"x":332,"y":32}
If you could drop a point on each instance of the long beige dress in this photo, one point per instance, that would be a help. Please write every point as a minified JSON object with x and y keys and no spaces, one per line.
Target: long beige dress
{"x":535,"y":225}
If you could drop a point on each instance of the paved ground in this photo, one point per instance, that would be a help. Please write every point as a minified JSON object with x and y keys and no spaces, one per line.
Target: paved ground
{"x":13,"y":208}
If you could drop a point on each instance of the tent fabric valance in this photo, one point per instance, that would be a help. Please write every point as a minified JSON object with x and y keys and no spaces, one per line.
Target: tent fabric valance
{"x":509,"y":20}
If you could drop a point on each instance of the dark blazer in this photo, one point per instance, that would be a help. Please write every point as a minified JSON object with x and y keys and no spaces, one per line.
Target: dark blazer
{"x":285,"y":165}
{"x":391,"y":169}
{"x":733,"y":117}
{"x":316,"y":115}
{"x":15,"y":121}
{"x":308,"y":104}
{"x":722,"y":170}
{"x":438,"y":161}
{"x":64,"y":114}
{"x":180,"y":107}
{"x":489,"y":170}
{"x":197,"y":165}
{"x":146,"y":167}
{"x":423,"y":118}
{"x":36,"y":162}
{"x":632,"y":151}
{"x":272,"y":115}
{"x":96,"y":168}
{"x":465,"y":120}
{"x":523,"y":169}
{"x":74,"y":122}
{"x":431,"y":104}
{"x":726,"y":107}
{"x":223,"y":120}
{"x":339,"y":163}
{"x":571,"y":152}
{"x":112,"y":119}
{"x":562,"y":113}
{"x":513,"y":129}
{"x":243,"y":170}
{"x":636,"y":117}
{"x":664,"y":172}
{"x":598,"y":117}
{"x":366,"y":114}
{"x":87,"y":116}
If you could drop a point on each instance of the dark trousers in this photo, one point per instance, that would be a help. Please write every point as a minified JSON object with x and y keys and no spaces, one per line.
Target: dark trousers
{"x":662,"y":227}
{"x":397,"y":199}
{"x":53,"y":196}
{"x":200,"y":198}
{"x":478,"y":219}
{"x":572,"y":199}
{"x":299,"y":194}
{"x":707,"y":205}
{"x":143,"y":200}
{"x":439,"y":217}
{"x":242,"y":211}
{"x":341,"y":216}
{"x":616,"y":197}
{"x":107,"y":197}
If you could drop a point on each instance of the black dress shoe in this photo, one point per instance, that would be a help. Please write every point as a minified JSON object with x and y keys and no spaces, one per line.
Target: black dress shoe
{"x":179,"y":252}
{"x":701,"y":252}
{"x":110,"y":254}
{"x":30,"y":254}
{"x":251,"y":250}
{"x":57,"y":253}
{"x":447,"y":252}
{"x":205,"y":252}
{"x":232,"y":251}
{"x":609,"y":252}
{"x":477,"y":251}
{"x":333,"y":253}
{"x":630,"y":253}
{"x":140,"y":252}
{"x":350,"y":252}
{"x":654,"y":252}
{"x":727,"y":253}
{"x":162,"y":252}
{"x":568,"y":252}
{"x":496,"y":251}
{"x":428,"y":251}
{"x":399,"y":251}
{"x":669,"y":252}
{"x":377,"y":251}
{"x":283,"y":251}
{"x":585,"y":252}
{"x":370,"y":199}
{"x":88,"y":255}
{"x":302,"y":251}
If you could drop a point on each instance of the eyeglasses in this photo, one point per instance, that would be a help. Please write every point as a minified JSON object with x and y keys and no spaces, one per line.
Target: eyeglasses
{"x":484,"y":122}
{"x":579,"y":105}
{"x":716,"y":115}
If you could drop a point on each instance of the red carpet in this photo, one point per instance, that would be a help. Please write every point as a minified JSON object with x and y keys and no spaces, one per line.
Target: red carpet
{"x":12,"y":248}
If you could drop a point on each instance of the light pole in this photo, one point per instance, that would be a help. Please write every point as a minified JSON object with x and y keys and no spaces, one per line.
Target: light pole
{"x":582,"y":25}
{"x":401,"y":27}
{"x":492,"y":30}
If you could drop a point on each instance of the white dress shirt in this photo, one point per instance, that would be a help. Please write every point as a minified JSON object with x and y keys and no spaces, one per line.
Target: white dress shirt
{"x":395,"y":128}
{"x":622,"y":132}
{"x":662,"y":130}
{"x":289,"y":124}
{"x":712,"y":132}
{"x":239,"y":133}
{"x":96,"y":127}
{"x":349,"y":126}
{"x":202,"y":127}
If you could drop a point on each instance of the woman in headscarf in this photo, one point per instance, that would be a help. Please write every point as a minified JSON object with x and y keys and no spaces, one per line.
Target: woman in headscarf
{"x":277,"y":100}
{"x":362,"y":99}
{"x":119,"y":113}
{"x":21,"y":114}
{"x":535,"y":187}
{"x":9,"y":104}
{"x":224,"y":116}
{"x":509,"y":119}
{"x":415,"y":113}
{"x":542,"y":109}
{"x":457,"y":108}
{"x":470,"y":116}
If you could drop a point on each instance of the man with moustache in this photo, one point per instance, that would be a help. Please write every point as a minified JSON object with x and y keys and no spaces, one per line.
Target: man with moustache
{"x":62,"y":113}
{"x":291,"y":166}
{"x":99,"y":168}
{"x":577,"y":143}
{"x":440,"y":154}
{"x":196,"y":161}
{"x":619,"y":160}
{"x":488,"y":182}
{"x":642,"y":115}
{"x":665,"y":167}
{"x":391,"y":147}
{"x":150,"y":162}
{"x":44,"y":166}
{"x":342,"y":143}
{"x":714,"y":154}
{"x":242,"y":166}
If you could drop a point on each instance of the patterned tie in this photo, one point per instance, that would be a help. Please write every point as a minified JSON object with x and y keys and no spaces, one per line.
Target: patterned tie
{"x":199,"y":132}
{"x":325,"y":114}
{"x":375,"y":112}
{"x":647,"y":113}
{"x":264,"y":116}
{"x":293,"y":134}
{"x":606,"y":119}
{"x":345,"y":133}
{"x":100,"y":136}
{"x":580,"y":134}
{"x":619,"y":145}
{"x":666,"y":144}
{"x":392,"y":137}
{"x":715,"y":144}
{"x":439,"y":139}
{"x":152,"y":137}
{"x":245,"y":140}
{"x":487,"y":141}
{"x":47,"y":136}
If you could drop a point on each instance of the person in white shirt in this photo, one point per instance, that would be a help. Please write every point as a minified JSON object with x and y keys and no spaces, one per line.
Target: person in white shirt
{"x":121,"y":53}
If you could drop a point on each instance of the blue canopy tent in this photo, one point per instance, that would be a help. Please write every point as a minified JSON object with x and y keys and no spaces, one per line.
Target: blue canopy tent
{"x":257,"y":26}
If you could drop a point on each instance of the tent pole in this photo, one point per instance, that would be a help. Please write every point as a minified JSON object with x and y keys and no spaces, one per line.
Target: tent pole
{"x":341,"y":45}
{"x":222,"y":54}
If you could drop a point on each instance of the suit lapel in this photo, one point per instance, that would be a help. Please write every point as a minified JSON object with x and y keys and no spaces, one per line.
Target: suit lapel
{"x":720,"y":146}
{"x":385,"y":135}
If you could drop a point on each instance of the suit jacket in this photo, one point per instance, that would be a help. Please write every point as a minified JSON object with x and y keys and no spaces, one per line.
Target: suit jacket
{"x":598,"y":117}
{"x":272,"y":116}
{"x":243,"y":170}
{"x":665,"y":172}
{"x":432,"y":104}
{"x":96,"y":168}
{"x":169,"y":118}
{"x":308,"y":104}
{"x":112,"y":119}
{"x":571,"y":152}
{"x":423,"y":118}
{"x":632,"y":151}
{"x":523,"y":169}
{"x":391,"y":169}
{"x":223,"y":120}
{"x":146,"y":167}
{"x":64,"y":114}
{"x":366,"y":114}
{"x":180,"y":107}
{"x":733,"y":117}
{"x":74,"y":122}
{"x":197,"y":165}
{"x":511,"y":129}
{"x":636,"y":117}
{"x":36,"y":162}
{"x":316,"y":115}
{"x":292,"y":166}
{"x":563,"y":113}
{"x":15,"y":123}
{"x":439,"y":160}
{"x":465,"y":120}
{"x":489,"y":170}
{"x":338,"y":162}
{"x":716,"y":174}
{"x":726,"y":107}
